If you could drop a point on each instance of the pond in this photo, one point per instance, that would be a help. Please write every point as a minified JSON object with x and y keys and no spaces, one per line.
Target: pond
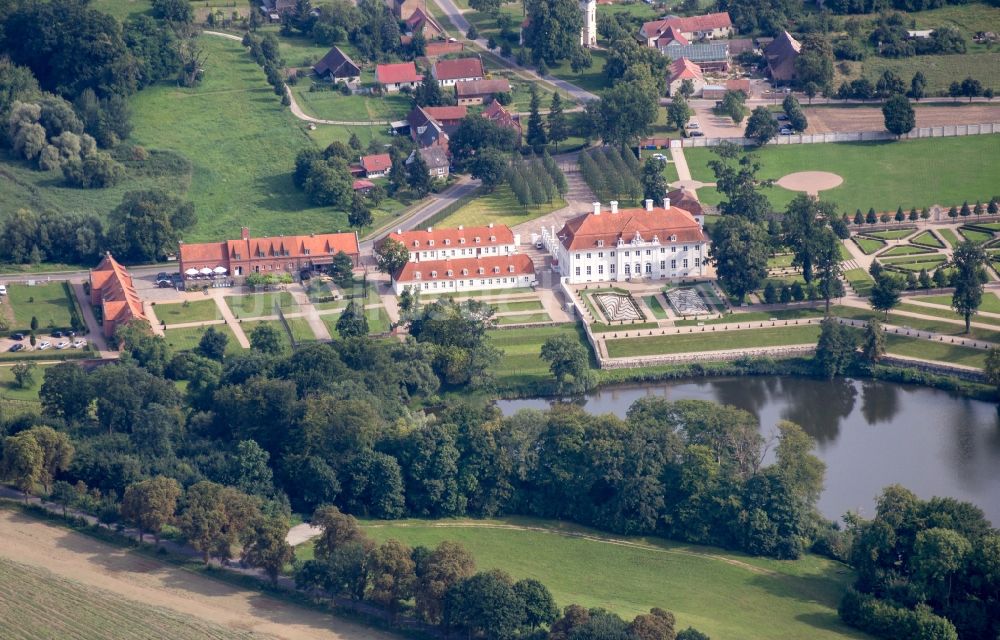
{"x":870,"y":433}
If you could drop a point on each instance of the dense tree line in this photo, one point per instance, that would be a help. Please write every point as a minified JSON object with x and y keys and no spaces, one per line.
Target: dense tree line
{"x":611,"y":173}
{"x":536,"y":181}
{"x":368,"y":25}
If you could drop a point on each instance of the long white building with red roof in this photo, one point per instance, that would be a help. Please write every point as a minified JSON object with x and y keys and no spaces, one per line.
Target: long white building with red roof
{"x":460,"y":242}
{"x":650,"y":243}
{"x":466,"y":274}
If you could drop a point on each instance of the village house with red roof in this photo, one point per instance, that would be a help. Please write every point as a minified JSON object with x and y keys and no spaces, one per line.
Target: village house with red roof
{"x":277,"y":254}
{"x":496,"y":112}
{"x":112,"y":290}
{"x":448,"y":72}
{"x":376,"y":165}
{"x":394,"y":77}
{"x":480,"y":91}
{"x":712,"y":26}
{"x":648,"y":243}
{"x":681,"y":70}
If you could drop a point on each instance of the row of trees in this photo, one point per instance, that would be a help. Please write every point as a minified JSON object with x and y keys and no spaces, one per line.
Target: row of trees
{"x":537,"y":181}
{"x":611,"y":172}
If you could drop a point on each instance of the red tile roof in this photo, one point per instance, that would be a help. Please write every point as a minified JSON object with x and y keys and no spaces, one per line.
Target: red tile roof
{"x":362,"y":184}
{"x":458,"y":69}
{"x":119,"y":300}
{"x":454,"y":237}
{"x":376,"y":162}
{"x":481,"y":87}
{"x":584,"y":232}
{"x":687,"y":200}
{"x":517,"y":264}
{"x":706,"y":22}
{"x":432,"y":49}
{"x":399,"y":72}
{"x":219,"y":254}
{"x":672,"y":34}
{"x":684,"y":69}
{"x":496,"y":112}
{"x":739,"y":84}
{"x":444,"y":114}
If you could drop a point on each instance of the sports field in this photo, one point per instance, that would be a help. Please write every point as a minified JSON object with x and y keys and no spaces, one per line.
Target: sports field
{"x":726,"y":595}
{"x":883,"y":175}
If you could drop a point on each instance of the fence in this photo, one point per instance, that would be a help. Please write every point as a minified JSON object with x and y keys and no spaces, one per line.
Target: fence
{"x":947,"y":131}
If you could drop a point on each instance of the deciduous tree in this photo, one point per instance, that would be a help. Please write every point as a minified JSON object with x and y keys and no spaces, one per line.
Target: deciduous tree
{"x":969,"y":260}
{"x":151,"y":504}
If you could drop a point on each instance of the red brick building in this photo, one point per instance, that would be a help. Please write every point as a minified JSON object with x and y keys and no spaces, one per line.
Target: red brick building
{"x":111,"y":289}
{"x":279,"y":254}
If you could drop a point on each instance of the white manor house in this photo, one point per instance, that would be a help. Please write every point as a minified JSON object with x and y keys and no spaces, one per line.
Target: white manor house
{"x":650,"y":243}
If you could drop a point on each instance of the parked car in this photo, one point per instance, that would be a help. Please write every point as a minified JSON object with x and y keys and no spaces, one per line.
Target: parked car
{"x":178,"y":282}
{"x":660,"y":157}
{"x":782,"y":116}
{"x":692,"y":125}
{"x":79,"y":344}
{"x":44,"y":344}
{"x":785,"y":131}
{"x":695,"y":134}
{"x":3,"y":289}
{"x":62,"y":345}
{"x":16,"y":347}
{"x":163,"y":280}
{"x":57,"y":334}
{"x":539,"y":245}
{"x":17,"y":336}
{"x":69,"y":334}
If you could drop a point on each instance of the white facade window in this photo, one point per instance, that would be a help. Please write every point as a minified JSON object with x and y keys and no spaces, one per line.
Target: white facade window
{"x":588,"y":256}
{"x":588,"y":269}
{"x":697,"y":262}
{"x":663,"y":265}
{"x":600,"y":269}
{"x":685,"y":263}
{"x":673,"y":264}
{"x":600,"y":254}
{"x":578,"y":271}
{"x":611,"y":268}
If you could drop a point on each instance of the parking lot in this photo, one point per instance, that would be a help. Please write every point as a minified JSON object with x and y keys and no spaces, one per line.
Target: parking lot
{"x":43,"y":342}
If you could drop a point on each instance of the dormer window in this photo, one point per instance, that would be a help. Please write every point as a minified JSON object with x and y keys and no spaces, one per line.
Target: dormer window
{"x":416,"y":243}
{"x":434,"y":274}
{"x":600,"y":243}
{"x":465,"y":272}
{"x":461,"y":241}
{"x":447,"y":241}
{"x":496,"y":269}
{"x":416,"y":275}
{"x":450,"y":273}
{"x":510,"y":269}
{"x":673,"y":238}
{"x":481,"y":271}
{"x":430,"y":243}
{"x":493,"y":238}
{"x":477,"y":239}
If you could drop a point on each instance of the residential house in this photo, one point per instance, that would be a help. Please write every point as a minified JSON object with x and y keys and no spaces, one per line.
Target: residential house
{"x":442,"y":48}
{"x":645,"y":243}
{"x":422,"y":22}
{"x":362,"y":186}
{"x":496,"y":112}
{"x":781,"y":54}
{"x":403,"y":9}
{"x":376,"y":165}
{"x":431,"y":126}
{"x":466,"y":274}
{"x":480,"y":91}
{"x":713,"y":56}
{"x":460,"y":242}
{"x":437,"y":161}
{"x":337,"y":66}
{"x":712,"y":26}
{"x":448,"y":72}
{"x":112,"y":290}
{"x":683,"y":69}
{"x":278,"y":254}
{"x":393,"y":77}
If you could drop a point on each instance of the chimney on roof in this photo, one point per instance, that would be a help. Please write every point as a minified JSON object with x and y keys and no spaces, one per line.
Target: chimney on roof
{"x":597,"y":208}
{"x":430,"y":229}
{"x":245,"y":233}
{"x":614,"y":206}
{"x":666,"y":203}
{"x":649,"y":204}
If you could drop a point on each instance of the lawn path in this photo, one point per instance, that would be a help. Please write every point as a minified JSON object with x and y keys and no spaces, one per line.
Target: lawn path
{"x":227,"y":315}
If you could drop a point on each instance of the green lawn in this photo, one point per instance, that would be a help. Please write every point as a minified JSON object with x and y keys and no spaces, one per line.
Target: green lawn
{"x":50,"y":303}
{"x":521,"y":364}
{"x":180,"y":312}
{"x":756,"y":316}
{"x":940,"y":351}
{"x":8,"y":391}
{"x":916,"y":264}
{"x":868,"y":245}
{"x":940,"y":70}
{"x":919,"y":324}
{"x":122,"y":9}
{"x":713,"y":341}
{"x":378,"y":321}
{"x":780,"y":260}
{"x":254,"y":305}
{"x":905,"y":250}
{"x":187,"y":338}
{"x":721,"y":593}
{"x":991,"y":302}
{"x":524,"y":318}
{"x":941,"y":312}
{"x":593,"y":79}
{"x":518,"y":305}
{"x":975,"y":235}
{"x":499,"y":207}
{"x":927,"y":238}
{"x":891,"y":234}
{"x":332,"y":105}
{"x":242,"y":144}
{"x":301,"y":330}
{"x":883,"y":175}
{"x":654,"y":305}
{"x":949,"y":237}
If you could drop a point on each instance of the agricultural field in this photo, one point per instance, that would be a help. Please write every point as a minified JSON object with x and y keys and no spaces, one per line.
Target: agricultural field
{"x":234,"y":114}
{"x":63,"y":584}
{"x":883,"y":175}
{"x":698,"y":584}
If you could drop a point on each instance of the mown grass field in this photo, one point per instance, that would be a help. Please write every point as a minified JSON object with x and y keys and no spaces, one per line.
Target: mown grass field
{"x":500,"y":206}
{"x":940,"y":351}
{"x":9,"y":391}
{"x":991,"y":302}
{"x":189,"y":311}
{"x":49,"y":303}
{"x":35,"y":603}
{"x":260,"y":304}
{"x":883,"y":175}
{"x":520,"y":363}
{"x":188,"y":338}
{"x":868,"y":245}
{"x":242,"y":144}
{"x":726,"y":595}
{"x":713,"y":341}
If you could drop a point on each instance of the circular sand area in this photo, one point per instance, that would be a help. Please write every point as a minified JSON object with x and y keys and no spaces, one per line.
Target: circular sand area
{"x":812,"y":182}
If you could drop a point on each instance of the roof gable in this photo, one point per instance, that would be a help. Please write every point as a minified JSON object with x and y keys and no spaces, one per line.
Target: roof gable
{"x":338,"y":64}
{"x":458,"y":68}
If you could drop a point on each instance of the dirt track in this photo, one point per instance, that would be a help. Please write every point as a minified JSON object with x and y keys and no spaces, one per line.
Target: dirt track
{"x":830,"y":119}
{"x":89,"y":562}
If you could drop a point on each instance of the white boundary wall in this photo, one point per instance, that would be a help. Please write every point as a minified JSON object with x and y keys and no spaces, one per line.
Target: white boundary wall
{"x":859,"y":136}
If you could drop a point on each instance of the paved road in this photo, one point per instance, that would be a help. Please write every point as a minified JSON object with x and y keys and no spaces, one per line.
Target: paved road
{"x":462,"y":25}
{"x":439,"y":202}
